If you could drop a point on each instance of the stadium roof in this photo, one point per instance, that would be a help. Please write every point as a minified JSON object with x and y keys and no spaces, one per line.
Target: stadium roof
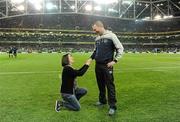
{"x":128,"y":9}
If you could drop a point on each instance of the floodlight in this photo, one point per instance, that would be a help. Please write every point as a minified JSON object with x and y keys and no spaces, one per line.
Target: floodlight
{"x":97,"y":8}
{"x":51,"y":6}
{"x":88,"y":8}
{"x":38,"y":6}
{"x":166,"y":17}
{"x":157,"y":17}
{"x":35,"y":1}
{"x":105,"y":1}
{"x":21,"y":8}
{"x":112,"y":10}
{"x":146,"y":18}
{"x":17,"y":1}
{"x":73,"y":7}
{"x":128,"y":2}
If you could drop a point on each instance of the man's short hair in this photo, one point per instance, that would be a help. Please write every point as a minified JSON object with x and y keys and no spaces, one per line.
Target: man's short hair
{"x":99,"y":24}
{"x":65,"y":60}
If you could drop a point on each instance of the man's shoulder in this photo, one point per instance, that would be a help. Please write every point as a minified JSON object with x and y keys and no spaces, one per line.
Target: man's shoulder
{"x":110,"y":33}
{"x":97,"y":38}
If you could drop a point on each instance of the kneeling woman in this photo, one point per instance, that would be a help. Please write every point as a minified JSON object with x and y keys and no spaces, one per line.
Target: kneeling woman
{"x":71,"y":94}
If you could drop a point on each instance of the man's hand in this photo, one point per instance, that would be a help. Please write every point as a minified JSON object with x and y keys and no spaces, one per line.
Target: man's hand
{"x":110,"y":64}
{"x":88,"y":62}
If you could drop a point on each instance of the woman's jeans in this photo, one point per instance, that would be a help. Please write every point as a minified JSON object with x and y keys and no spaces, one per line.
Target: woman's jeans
{"x":71,"y":101}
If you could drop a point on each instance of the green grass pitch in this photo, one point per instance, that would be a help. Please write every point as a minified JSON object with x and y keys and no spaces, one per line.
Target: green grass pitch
{"x":147,"y":85}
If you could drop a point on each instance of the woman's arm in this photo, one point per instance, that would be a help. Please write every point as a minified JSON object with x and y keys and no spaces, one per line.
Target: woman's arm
{"x":83,"y":69}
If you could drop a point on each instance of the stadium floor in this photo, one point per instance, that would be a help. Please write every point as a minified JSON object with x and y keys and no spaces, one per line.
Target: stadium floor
{"x":147,"y":85}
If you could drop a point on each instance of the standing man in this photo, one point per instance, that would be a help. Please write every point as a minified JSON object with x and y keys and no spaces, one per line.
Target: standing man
{"x":106,"y":44}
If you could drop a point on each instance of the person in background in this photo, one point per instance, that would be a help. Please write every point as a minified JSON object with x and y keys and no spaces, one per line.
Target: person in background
{"x":10,"y":52}
{"x":14,"y":49}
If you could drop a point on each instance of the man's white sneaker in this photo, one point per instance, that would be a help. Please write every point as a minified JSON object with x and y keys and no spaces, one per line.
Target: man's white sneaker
{"x":111,"y":111}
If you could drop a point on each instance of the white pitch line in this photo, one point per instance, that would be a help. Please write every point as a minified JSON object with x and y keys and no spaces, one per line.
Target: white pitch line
{"x":39,"y":72}
{"x":150,"y":68}
{"x":116,"y":70}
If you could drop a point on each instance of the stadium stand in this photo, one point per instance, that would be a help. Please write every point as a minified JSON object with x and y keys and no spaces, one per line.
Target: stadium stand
{"x":84,"y":22}
{"x":72,"y":32}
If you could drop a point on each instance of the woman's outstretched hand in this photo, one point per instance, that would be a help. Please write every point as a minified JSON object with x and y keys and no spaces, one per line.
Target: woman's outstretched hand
{"x":88,"y":62}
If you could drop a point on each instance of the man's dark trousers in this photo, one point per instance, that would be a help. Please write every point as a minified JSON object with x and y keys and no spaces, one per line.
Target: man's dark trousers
{"x":105,"y":78}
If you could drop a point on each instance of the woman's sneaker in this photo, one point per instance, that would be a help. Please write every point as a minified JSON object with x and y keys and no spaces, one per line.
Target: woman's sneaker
{"x":99,"y":104}
{"x":58,"y":106}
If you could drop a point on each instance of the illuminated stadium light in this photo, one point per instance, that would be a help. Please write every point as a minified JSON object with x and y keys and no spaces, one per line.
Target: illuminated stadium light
{"x":21,"y":8}
{"x":97,"y":8}
{"x":166,"y":17}
{"x":38,"y":6}
{"x":50,"y":6}
{"x":157,"y":17}
{"x":147,"y":5}
{"x":73,"y":7}
{"x":160,"y":4}
{"x":105,"y":1}
{"x":35,"y":1}
{"x":112,"y":10}
{"x":128,"y":2}
{"x":88,"y":8}
{"x":139,"y":4}
{"x":146,"y":18}
{"x":17,"y":1}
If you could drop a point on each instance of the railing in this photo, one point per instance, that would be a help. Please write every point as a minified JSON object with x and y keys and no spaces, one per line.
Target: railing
{"x":79,"y":32}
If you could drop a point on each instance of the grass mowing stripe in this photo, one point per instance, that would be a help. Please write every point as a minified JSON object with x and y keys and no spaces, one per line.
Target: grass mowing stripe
{"x":120,"y":70}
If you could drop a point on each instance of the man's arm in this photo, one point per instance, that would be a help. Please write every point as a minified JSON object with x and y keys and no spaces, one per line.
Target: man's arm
{"x":119,"y":50}
{"x":118,"y":46}
{"x":83,"y":69}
